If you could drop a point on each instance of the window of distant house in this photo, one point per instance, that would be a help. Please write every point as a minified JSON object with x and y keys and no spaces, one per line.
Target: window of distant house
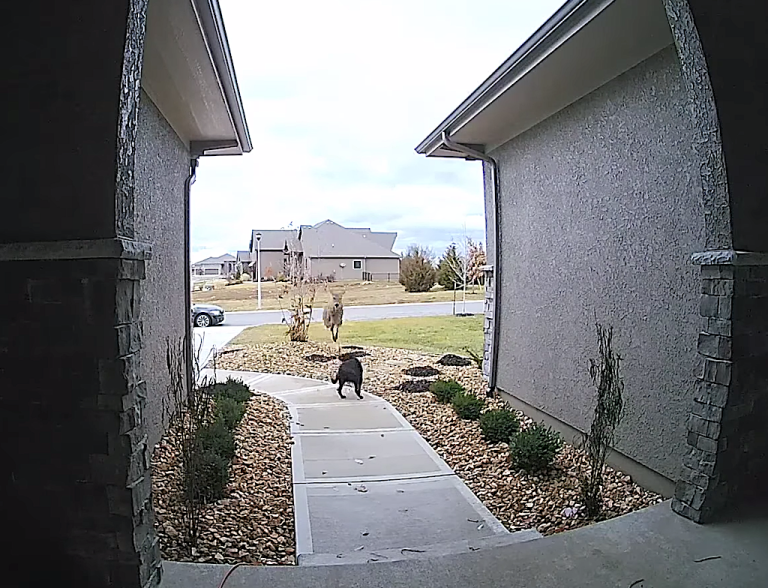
{"x":357,"y":264}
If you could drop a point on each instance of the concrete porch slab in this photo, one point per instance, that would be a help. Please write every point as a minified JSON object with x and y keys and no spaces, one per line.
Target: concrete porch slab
{"x":419,"y":551}
{"x":651,"y":548}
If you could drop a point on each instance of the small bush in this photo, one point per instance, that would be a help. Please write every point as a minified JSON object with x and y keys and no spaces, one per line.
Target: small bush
{"x":216,"y":437}
{"x":499,"y":425}
{"x":534,"y":449}
{"x":476,"y":357}
{"x":234,"y":389}
{"x":445,"y":390}
{"x":210,"y":474}
{"x":230,"y":412}
{"x":468,"y":406}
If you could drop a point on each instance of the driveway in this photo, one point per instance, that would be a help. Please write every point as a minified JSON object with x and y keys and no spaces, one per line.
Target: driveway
{"x":357,"y":313}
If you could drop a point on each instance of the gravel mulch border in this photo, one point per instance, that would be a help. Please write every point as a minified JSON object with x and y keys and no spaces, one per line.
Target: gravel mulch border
{"x":254,"y":524}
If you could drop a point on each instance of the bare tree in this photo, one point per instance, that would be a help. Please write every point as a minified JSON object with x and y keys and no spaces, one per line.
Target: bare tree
{"x":301,"y":293}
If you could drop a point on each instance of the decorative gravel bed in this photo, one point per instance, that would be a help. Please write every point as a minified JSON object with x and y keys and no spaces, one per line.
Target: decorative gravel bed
{"x":548,"y":502}
{"x":254,"y":524}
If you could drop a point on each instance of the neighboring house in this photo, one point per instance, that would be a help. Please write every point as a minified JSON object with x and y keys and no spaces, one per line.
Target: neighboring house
{"x":604,"y":178}
{"x":128,"y":95}
{"x":328,"y":249}
{"x":223,"y":265}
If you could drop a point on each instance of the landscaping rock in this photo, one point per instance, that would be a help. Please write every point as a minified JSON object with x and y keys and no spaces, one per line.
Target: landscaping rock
{"x":413,"y":386}
{"x":254,"y":523}
{"x":422,"y":371}
{"x":454,"y":360}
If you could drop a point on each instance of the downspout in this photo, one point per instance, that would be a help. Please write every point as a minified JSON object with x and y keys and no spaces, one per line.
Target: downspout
{"x":189,"y":349}
{"x":472,"y":154}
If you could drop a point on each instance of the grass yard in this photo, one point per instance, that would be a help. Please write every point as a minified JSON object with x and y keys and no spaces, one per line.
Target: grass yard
{"x":434,"y":334}
{"x":243,"y":296}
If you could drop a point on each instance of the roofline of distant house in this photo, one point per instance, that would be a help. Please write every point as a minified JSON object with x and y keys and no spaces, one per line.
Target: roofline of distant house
{"x":215,"y":35}
{"x":568,"y":19}
{"x":393,"y":256}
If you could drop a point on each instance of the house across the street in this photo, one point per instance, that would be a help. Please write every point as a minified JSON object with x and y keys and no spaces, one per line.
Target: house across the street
{"x":223,"y":265}
{"x":326,"y":250}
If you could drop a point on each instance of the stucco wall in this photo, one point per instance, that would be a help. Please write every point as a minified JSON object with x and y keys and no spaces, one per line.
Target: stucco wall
{"x":162,"y":163}
{"x":378,"y":266}
{"x":600,"y":213}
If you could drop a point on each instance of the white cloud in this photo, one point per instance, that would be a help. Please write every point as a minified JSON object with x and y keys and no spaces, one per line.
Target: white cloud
{"x":337,"y":95}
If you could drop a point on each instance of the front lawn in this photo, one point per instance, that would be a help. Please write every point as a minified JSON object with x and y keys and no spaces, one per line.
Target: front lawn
{"x":434,"y":334}
{"x":243,"y":296}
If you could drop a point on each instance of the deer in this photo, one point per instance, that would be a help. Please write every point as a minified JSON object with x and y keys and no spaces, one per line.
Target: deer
{"x":333,"y":315}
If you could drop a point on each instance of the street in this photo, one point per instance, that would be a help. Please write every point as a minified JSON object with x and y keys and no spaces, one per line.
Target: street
{"x":356,"y":313}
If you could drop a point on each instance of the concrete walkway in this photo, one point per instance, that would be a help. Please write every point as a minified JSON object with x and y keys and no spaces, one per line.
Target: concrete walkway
{"x":367,"y":487}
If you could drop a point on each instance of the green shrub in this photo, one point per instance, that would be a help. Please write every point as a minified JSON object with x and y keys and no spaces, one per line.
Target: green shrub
{"x":499,"y":425}
{"x":535,"y":448}
{"x":445,"y":390}
{"x":468,"y":406}
{"x":417,"y":273}
{"x":234,"y":389}
{"x":216,"y":437}
{"x":207,"y":479}
{"x":229,"y":411}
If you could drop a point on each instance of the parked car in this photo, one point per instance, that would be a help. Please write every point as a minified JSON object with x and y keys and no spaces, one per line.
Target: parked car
{"x":207,"y":315}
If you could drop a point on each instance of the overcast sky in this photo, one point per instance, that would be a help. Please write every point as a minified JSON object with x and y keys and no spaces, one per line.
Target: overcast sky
{"x":337,"y":95}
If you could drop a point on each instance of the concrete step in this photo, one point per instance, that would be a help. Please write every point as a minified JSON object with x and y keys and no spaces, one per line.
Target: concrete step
{"x":418,"y":552}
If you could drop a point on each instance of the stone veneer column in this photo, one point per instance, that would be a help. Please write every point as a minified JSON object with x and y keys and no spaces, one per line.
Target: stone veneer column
{"x":728,"y":426}
{"x":72,"y":399}
{"x":488,"y":323}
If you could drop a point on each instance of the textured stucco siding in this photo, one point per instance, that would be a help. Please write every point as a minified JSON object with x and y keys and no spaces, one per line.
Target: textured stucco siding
{"x":162,"y":163}
{"x":601,"y":210}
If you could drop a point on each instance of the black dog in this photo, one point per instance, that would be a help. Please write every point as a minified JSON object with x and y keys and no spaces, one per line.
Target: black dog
{"x":351,"y":371}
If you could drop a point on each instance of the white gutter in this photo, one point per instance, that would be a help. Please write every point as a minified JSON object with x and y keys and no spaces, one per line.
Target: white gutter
{"x":471,"y":154}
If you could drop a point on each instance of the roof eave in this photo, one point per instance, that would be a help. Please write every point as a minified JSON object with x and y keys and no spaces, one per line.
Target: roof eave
{"x":476,"y":102}
{"x":583,"y":46}
{"x":215,"y":35}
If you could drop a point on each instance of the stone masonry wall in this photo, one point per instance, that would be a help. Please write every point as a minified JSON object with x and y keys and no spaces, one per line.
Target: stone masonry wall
{"x":488,"y":323}
{"x":72,"y":433}
{"x":727,"y":461}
